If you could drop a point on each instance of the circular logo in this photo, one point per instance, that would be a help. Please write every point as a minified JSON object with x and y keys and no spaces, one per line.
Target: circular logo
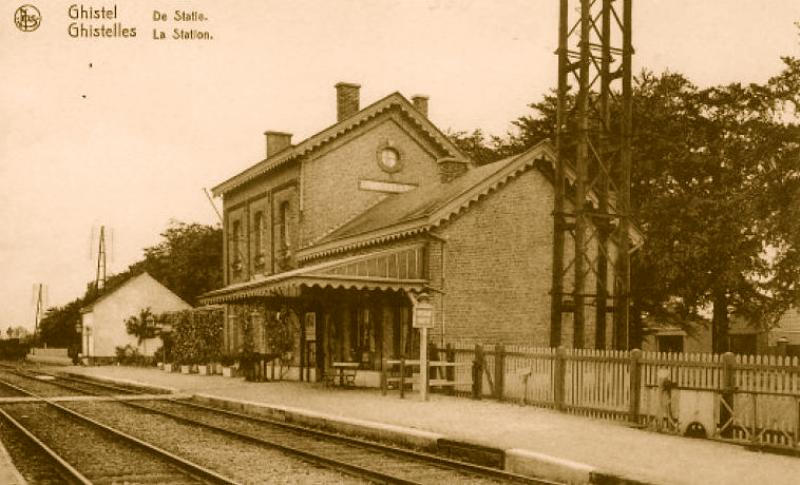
{"x":27,"y":18}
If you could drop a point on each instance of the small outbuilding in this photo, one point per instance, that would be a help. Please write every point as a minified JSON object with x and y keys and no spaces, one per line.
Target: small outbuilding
{"x":103,"y":319}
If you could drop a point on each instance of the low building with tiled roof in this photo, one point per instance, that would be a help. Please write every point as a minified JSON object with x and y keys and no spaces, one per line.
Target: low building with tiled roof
{"x":346,"y":228}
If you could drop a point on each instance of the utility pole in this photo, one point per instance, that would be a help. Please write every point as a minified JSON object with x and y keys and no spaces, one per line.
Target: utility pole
{"x":592,"y":172}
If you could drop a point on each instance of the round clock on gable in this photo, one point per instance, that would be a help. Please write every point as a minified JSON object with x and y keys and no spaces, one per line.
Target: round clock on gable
{"x":389,"y":158}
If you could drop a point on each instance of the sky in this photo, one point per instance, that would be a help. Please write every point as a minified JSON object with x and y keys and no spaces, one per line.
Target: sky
{"x":126,"y":132}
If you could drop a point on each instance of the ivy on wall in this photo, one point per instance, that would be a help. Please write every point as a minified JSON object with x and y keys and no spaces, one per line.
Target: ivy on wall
{"x":268,"y":334}
{"x":196,"y":335}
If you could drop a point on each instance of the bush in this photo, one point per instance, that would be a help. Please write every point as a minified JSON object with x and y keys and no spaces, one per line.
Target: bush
{"x":228,"y":360}
{"x":164,"y":352}
{"x":129,"y":355}
{"x":196,"y":336}
{"x":13,"y":349}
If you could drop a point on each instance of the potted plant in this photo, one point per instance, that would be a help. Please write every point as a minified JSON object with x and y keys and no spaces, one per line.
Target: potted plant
{"x":186,"y":366}
{"x":164,"y":353}
{"x":227,"y":363}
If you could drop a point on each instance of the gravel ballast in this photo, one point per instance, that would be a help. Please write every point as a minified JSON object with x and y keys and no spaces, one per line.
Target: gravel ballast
{"x":247,"y":462}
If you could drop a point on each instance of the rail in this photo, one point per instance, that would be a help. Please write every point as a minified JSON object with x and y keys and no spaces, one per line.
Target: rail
{"x":192,"y":469}
{"x":320,"y":459}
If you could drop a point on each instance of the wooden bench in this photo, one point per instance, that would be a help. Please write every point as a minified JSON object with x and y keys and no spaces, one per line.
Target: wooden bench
{"x":396,"y":374}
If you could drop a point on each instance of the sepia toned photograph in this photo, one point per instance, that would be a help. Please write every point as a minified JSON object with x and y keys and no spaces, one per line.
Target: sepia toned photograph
{"x":400,"y":241}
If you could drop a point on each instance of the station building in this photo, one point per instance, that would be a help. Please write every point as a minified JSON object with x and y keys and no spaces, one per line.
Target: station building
{"x":341,"y":230}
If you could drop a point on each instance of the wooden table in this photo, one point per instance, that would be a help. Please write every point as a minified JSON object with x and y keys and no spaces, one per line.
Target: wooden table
{"x":346,"y":371}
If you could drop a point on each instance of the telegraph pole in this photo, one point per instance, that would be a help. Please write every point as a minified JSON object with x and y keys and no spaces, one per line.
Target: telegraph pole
{"x":592,"y":173}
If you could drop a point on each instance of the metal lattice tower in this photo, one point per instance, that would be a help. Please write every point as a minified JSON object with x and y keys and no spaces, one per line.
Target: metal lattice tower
{"x":593,"y":166}
{"x":40,"y":302}
{"x":100,"y":275}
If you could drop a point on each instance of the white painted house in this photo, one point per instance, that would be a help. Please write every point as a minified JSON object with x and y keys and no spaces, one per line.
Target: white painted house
{"x":103,"y":320}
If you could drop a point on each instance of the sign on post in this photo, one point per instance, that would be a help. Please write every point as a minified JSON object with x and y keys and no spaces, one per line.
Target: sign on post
{"x":423,"y":315}
{"x":423,"y":320}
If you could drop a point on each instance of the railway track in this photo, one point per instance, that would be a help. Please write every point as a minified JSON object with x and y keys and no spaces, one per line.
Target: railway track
{"x":31,"y":460}
{"x":102,"y":454}
{"x":368,"y":460}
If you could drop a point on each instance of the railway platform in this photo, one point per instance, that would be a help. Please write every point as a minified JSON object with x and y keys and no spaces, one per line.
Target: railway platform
{"x":8,"y":472}
{"x":561,"y":447}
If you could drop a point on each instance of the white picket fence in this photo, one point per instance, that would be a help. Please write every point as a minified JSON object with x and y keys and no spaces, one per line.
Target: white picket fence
{"x":753,"y":399}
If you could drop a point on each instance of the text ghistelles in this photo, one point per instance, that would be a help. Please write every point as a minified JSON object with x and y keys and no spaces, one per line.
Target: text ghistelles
{"x":80,"y":29}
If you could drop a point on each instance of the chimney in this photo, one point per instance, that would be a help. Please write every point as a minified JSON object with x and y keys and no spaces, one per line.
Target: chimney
{"x":421,"y":103}
{"x":346,"y":100}
{"x":277,"y":141}
{"x":450,"y":169}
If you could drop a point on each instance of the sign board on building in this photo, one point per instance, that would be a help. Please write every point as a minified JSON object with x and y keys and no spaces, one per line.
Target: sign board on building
{"x":423,"y":315}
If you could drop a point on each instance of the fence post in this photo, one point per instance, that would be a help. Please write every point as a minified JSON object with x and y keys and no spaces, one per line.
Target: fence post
{"x":433,"y":356}
{"x":728,"y":386}
{"x":477,"y":373}
{"x":636,"y":385}
{"x":559,"y":377}
{"x":499,"y":370}
{"x":450,"y":373}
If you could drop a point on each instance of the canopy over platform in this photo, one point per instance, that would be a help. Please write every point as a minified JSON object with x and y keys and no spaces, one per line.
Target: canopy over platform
{"x":391,"y":270}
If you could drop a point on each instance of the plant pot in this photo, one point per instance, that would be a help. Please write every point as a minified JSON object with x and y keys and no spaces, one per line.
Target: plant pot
{"x":167,"y":367}
{"x":203,"y":370}
{"x":185,"y":369}
{"x":160,"y":365}
{"x":227,"y":371}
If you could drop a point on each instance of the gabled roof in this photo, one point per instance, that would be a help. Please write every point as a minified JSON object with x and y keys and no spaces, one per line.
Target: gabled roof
{"x":108,"y":291}
{"x":427,"y":207}
{"x":394,"y":100}
{"x":421,"y":209}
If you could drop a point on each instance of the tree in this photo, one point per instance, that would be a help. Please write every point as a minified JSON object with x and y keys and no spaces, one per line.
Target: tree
{"x":142,"y":327}
{"x":188,"y":261}
{"x":18,"y":332}
{"x":715,"y":170}
{"x":477,"y":146}
{"x":57,"y":327}
{"x":715,"y":190}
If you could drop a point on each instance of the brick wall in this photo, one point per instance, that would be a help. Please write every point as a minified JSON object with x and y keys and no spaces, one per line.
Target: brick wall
{"x":498,"y":269}
{"x":331,"y":194}
{"x":243,"y":205}
{"x":497,"y":266}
